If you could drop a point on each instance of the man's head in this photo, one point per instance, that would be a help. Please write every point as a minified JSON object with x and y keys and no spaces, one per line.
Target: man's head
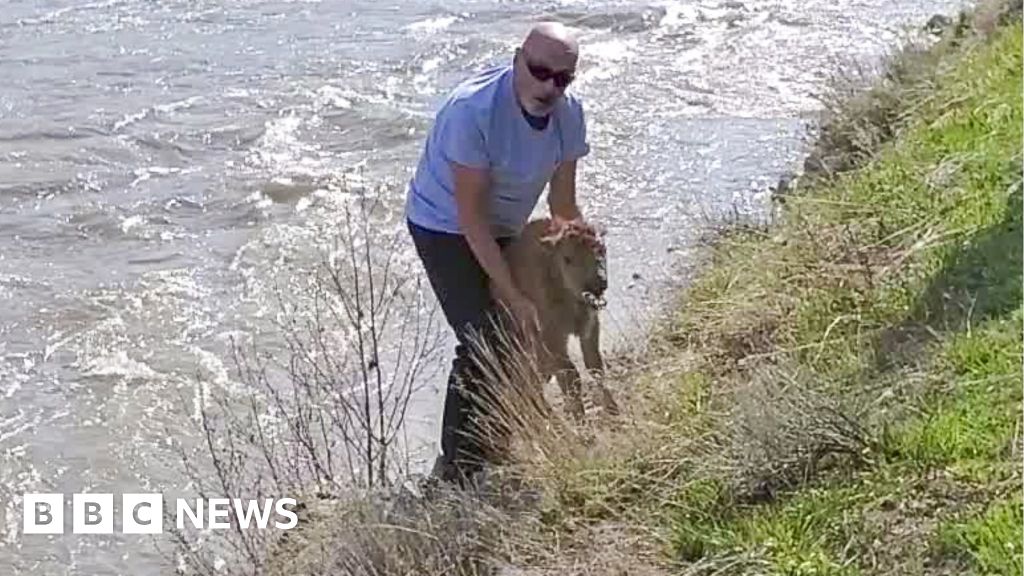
{"x":544,"y":66}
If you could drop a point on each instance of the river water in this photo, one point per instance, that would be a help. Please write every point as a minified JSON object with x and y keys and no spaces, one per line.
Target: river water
{"x":159,"y":161}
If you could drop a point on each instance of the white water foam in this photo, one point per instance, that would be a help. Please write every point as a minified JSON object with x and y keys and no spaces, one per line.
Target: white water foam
{"x":431,"y":25}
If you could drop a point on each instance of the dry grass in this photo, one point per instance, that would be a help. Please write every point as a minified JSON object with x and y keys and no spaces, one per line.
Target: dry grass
{"x":446,"y":532}
{"x":783,"y":430}
{"x":508,"y":522}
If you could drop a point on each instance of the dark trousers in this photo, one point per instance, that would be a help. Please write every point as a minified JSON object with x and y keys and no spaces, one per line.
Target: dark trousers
{"x":461,"y":287}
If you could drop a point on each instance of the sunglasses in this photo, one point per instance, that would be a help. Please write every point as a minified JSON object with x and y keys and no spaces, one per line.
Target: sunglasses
{"x":542,"y":73}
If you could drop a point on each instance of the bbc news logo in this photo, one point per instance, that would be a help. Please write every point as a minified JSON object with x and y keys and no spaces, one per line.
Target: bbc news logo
{"x":144,"y":513}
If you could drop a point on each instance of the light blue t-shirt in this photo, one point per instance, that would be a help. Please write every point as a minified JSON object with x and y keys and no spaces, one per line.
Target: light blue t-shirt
{"x":481,"y":125}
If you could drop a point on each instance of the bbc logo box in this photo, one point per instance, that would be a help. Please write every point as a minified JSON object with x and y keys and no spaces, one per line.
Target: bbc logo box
{"x":92,"y":514}
{"x":144,"y":513}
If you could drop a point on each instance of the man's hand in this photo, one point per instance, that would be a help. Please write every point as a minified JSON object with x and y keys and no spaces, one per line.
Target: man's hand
{"x":526,"y":318}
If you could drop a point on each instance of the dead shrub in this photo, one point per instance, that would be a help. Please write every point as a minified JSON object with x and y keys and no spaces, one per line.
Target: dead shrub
{"x":783,"y":428}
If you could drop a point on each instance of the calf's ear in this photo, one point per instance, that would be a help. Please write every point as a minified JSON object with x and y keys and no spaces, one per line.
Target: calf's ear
{"x":554,"y":234}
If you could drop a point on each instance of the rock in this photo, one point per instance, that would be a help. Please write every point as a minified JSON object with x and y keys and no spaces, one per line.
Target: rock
{"x":787,"y":183}
{"x":938,"y":23}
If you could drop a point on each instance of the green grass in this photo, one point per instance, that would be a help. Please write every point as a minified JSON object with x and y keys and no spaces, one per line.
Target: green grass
{"x":795,"y":537}
{"x":973,"y":415}
{"x":897,"y":287}
{"x":910,"y":264}
{"x":965,"y":432}
{"x":991,"y":541}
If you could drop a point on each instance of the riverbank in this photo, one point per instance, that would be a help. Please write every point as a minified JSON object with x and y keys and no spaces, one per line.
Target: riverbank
{"x":837,"y":393}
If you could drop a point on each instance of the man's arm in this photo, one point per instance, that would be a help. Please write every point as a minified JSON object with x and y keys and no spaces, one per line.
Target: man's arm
{"x":471,"y":186}
{"x":562,"y":196}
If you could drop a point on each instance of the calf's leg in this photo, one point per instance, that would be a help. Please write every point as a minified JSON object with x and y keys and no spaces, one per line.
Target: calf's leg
{"x":590,"y":343}
{"x":566,"y":374}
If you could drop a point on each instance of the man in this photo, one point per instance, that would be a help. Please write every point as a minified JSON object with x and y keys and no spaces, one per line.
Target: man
{"x":498,"y":140}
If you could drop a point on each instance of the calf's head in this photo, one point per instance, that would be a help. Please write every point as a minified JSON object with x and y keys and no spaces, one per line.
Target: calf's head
{"x":577,"y":252}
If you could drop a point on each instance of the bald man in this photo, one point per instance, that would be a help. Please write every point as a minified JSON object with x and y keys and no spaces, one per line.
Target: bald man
{"x":500,"y":137}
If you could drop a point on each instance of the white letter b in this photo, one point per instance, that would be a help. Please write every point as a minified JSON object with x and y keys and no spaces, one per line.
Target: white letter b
{"x":43,"y":514}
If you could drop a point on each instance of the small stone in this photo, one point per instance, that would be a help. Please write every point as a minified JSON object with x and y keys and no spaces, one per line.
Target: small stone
{"x":937,"y":23}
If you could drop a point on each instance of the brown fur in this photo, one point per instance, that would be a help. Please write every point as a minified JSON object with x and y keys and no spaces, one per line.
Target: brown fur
{"x":553,"y":264}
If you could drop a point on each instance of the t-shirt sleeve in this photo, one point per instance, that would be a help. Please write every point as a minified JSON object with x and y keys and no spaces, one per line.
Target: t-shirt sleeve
{"x":460,"y":138}
{"x":574,"y":132}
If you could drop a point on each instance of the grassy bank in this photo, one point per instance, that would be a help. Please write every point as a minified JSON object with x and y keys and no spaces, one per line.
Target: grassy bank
{"x":840,"y":391}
